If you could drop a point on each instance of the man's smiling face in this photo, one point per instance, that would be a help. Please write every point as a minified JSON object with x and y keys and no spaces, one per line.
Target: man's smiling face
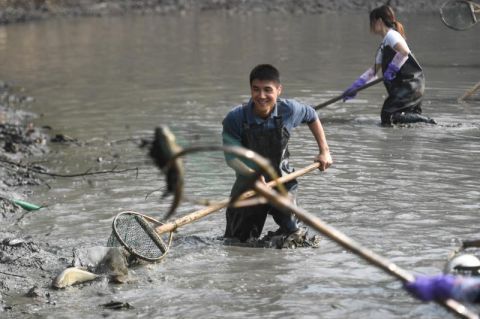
{"x":264,"y":96}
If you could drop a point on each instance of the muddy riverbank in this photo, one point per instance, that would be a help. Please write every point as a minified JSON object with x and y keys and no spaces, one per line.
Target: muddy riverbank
{"x":23,"y":10}
{"x":23,"y":262}
{"x":20,"y":141}
{"x":27,"y":264}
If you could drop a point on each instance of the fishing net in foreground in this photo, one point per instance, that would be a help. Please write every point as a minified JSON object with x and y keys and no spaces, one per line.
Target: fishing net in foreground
{"x":136,"y":233}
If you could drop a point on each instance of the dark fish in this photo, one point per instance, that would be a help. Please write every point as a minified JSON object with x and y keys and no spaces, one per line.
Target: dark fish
{"x":117,"y":305}
{"x":162,"y":151}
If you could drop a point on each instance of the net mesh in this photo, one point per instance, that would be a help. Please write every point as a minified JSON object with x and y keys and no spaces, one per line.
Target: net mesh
{"x":458,"y":15}
{"x":133,"y":232}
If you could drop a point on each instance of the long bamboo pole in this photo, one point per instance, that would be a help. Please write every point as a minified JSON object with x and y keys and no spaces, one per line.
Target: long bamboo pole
{"x":470,"y":92}
{"x":339,"y":97}
{"x":283,"y":203}
{"x":190,"y":218}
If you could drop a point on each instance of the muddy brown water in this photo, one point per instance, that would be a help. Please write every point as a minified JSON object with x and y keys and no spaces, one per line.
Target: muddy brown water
{"x":409,"y":194}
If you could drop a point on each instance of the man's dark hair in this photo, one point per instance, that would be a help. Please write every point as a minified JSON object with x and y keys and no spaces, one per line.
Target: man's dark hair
{"x":265,"y":72}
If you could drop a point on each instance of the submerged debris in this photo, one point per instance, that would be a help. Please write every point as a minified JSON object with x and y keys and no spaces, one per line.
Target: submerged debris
{"x":62,"y":138}
{"x":278,"y":240}
{"x":117,"y":305}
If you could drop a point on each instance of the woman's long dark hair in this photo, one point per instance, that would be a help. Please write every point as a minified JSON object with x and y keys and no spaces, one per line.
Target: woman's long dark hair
{"x":387,"y":15}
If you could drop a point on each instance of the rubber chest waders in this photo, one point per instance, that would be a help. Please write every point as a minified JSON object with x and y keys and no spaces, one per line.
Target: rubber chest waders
{"x":246,"y":222}
{"x":405,"y":92}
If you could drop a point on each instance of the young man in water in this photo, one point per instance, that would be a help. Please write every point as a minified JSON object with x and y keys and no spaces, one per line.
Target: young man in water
{"x":264,"y":125}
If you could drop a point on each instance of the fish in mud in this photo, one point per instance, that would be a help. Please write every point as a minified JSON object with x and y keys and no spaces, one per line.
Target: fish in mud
{"x":114,"y":265}
{"x":162,"y":151}
{"x":71,"y":276}
{"x":91,"y":263}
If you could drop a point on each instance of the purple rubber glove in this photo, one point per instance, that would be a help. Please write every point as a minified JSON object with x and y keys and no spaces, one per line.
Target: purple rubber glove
{"x":391,"y":72}
{"x":394,"y":66}
{"x":425,"y":288}
{"x":351,"y":92}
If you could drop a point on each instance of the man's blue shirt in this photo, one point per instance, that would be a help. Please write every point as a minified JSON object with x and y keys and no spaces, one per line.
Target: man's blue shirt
{"x":293,"y":113}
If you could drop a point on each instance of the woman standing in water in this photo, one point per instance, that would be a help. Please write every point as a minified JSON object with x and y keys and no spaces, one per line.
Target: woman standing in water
{"x":403,"y":75}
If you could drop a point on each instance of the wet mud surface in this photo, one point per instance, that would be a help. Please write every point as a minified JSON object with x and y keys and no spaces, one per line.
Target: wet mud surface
{"x":31,"y":268}
{"x":26,"y":266}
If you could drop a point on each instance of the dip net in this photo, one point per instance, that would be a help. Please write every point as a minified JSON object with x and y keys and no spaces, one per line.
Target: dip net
{"x":136,"y":233}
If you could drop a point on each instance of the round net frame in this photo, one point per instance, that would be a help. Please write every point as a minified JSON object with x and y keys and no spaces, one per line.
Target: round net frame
{"x":458,"y":14}
{"x":136,"y":233}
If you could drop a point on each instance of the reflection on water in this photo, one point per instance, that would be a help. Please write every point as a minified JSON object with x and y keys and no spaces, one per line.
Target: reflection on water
{"x":406,"y":193}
